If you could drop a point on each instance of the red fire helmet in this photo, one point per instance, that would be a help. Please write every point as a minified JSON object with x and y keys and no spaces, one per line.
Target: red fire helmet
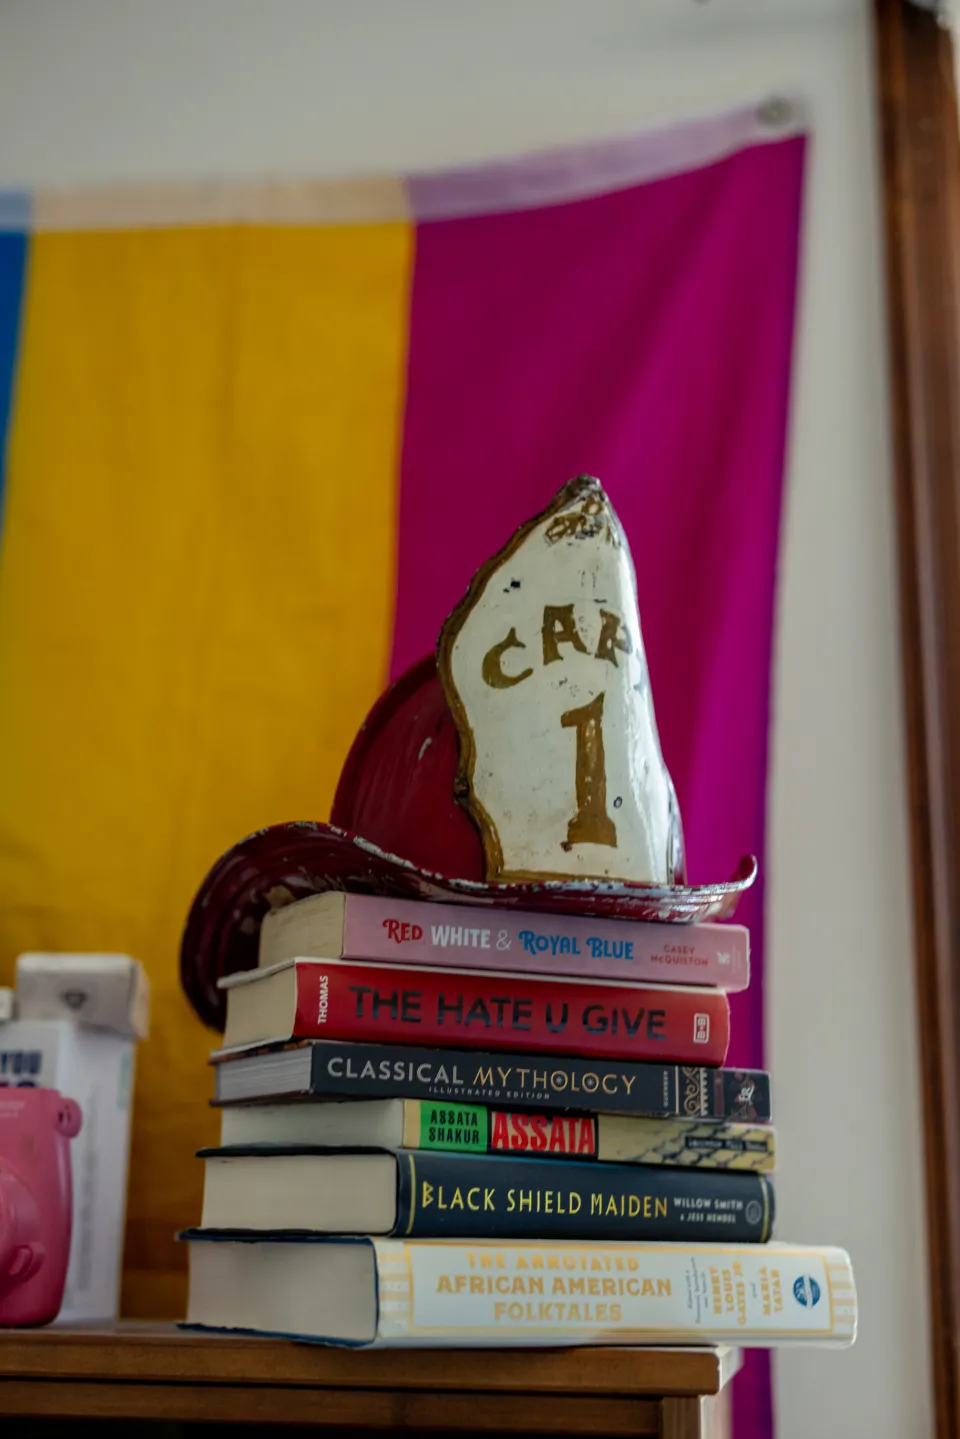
{"x":398,"y":829}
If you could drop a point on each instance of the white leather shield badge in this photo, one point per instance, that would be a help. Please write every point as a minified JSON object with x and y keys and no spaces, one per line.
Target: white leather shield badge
{"x":544,"y":670}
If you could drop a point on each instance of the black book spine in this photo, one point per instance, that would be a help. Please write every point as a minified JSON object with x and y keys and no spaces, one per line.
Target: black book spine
{"x":379,"y":1071}
{"x":475,"y":1196}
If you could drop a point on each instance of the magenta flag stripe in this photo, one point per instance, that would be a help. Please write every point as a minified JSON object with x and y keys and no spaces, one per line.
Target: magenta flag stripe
{"x":643,"y":336}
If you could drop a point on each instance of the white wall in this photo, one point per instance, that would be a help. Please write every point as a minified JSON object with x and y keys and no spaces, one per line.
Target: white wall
{"x":104,"y":91}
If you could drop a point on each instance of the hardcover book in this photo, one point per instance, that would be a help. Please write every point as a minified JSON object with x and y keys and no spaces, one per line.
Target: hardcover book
{"x":364,"y":926}
{"x":435,"y":1293}
{"x":306,"y":999}
{"x":323,"y":1069}
{"x":431,"y":1195}
{"x":478,"y":1129}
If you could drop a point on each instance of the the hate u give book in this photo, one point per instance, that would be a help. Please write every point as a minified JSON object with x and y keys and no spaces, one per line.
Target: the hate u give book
{"x":341,"y":999}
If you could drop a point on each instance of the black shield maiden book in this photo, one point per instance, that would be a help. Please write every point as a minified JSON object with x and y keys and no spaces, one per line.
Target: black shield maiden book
{"x":277,"y":1188}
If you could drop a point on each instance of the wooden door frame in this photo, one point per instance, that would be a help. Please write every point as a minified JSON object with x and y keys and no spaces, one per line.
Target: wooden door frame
{"x":916,"y":95}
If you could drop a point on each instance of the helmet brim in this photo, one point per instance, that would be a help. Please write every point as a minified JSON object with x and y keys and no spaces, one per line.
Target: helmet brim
{"x":290,"y":861}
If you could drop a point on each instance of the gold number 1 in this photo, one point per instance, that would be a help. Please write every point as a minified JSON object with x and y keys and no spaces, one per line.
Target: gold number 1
{"x":591,"y":824}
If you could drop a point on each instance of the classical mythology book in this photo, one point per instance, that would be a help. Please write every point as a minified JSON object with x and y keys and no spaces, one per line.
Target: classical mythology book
{"x":478,"y":1129}
{"x":323,"y":1069}
{"x":431,"y":1194}
{"x":404,"y":931}
{"x":435,"y":1293}
{"x":344,"y":999}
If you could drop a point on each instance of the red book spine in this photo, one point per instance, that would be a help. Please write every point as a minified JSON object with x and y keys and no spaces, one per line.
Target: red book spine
{"x":337,"y":999}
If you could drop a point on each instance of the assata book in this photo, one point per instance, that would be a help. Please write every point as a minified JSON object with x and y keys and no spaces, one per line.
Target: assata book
{"x":478,"y":1129}
{"x":322,"y":1069}
{"x":366,"y":926}
{"x":429,"y":1195}
{"x":345,"y":999}
{"x":436,"y":1293}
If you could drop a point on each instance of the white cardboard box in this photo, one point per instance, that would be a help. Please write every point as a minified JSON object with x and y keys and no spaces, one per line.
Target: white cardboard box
{"x":99,"y":991}
{"x":95,"y":1068}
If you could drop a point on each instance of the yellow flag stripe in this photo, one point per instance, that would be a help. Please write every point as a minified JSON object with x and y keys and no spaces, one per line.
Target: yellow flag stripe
{"x":196,"y":598}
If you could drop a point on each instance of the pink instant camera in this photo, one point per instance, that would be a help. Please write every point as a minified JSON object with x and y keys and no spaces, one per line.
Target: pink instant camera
{"x":36,"y":1126}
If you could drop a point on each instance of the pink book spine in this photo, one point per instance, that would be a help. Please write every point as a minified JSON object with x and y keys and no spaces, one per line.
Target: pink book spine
{"x":417,"y":932}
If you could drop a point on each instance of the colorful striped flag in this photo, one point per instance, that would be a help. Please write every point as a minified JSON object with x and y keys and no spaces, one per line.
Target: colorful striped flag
{"x":256,"y":441}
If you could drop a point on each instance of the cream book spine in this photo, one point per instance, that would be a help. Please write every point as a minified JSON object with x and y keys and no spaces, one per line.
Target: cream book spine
{"x":507,"y":1294}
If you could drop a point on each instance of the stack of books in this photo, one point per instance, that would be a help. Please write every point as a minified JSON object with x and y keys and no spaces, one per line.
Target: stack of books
{"x":454,"y":1125}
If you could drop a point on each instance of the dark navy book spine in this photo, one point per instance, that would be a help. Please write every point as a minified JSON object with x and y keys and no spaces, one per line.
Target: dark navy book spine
{"x":556,"y":1081}
{"x":455,"y":1196}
